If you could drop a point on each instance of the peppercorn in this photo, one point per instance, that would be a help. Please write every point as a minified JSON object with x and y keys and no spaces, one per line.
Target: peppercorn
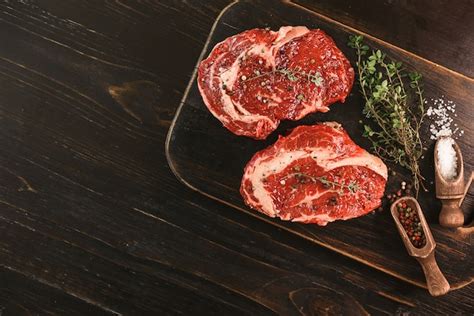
{"x":332,"y":201}
{"x":411,"y":223}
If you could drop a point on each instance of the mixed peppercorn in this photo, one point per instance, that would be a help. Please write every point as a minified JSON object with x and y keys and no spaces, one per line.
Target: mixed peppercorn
{"x":405,"y":190}
{"x":390,"y":198}
{"x":411,"y":223}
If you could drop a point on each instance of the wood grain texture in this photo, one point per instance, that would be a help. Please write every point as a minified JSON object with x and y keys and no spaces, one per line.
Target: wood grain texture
{"x":430,"y":29}
{"x":19,"y":295}
{"x":435,"y":280}
{"x":92,"y":220}
{"x":210,"y":159}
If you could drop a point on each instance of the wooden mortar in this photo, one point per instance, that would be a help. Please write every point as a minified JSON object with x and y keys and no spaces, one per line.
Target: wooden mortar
{"x":450,"y":192}
{"x":435,"y":280}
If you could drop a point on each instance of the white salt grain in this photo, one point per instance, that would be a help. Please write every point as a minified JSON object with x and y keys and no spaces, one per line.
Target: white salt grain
{"x":447,"y":159}
{"x":439,"y":113}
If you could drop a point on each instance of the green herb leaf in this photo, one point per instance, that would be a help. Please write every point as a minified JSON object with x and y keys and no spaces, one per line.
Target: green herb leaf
{"x":394,"y":103}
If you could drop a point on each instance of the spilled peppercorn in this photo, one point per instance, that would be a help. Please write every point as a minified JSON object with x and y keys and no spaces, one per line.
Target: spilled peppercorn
{"x":405,"y":190}
{"x":411,"y":223}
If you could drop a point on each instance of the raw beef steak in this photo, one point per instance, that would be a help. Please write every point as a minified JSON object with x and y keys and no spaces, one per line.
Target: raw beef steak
{"x":317,"y":174}
{"x":254,"y":79}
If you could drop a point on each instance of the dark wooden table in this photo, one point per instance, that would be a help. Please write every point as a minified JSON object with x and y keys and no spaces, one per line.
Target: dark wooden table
{"x":92,"y":221}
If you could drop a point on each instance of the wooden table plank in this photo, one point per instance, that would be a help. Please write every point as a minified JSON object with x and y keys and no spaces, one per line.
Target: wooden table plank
{"x":20,"y":295}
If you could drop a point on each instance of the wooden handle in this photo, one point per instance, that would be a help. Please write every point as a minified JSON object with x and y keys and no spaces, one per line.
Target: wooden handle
{"x":437,"y":283}
{"x":466,"y":188}
{"x":451,"y":214}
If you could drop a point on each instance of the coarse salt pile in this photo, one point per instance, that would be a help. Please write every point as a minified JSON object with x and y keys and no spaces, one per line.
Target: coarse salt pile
{"x":441,"y":121}
{"x":447,"y":159}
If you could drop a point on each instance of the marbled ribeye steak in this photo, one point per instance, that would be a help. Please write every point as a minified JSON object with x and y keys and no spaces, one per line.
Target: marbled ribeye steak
{"x":316,"y":174}
{"x":253,"y":80}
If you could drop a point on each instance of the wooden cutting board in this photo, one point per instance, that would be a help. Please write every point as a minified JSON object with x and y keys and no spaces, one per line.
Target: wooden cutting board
{"x":208,"y":158}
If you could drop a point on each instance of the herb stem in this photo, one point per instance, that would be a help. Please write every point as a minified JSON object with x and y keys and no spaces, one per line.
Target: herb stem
{"x":397,"y":117}
{"x":351,"y":187}
{"x":291,"y":74}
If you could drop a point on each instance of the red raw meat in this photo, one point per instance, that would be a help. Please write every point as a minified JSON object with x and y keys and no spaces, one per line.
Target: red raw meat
{"x":317,"y":174}
{"x":254,"y":79}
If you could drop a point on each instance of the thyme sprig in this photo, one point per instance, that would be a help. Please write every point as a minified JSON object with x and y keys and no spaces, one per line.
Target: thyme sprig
{"x":396,"y":110}
{"x":352,"y":186}
{"x":292,"y":74}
